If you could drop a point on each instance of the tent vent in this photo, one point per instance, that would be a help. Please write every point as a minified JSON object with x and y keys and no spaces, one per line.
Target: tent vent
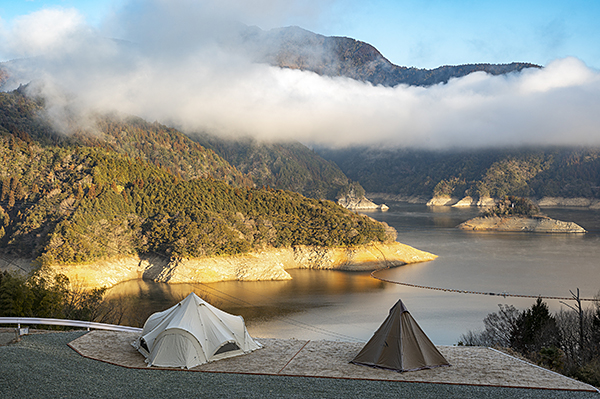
{"x":144,"y":345}
{"x":229,"y":346}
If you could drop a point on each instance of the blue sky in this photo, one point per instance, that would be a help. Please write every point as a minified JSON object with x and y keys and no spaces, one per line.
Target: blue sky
{"x":420,"y":33}
{"x":430,"y":33}
{"x":94,"y":10}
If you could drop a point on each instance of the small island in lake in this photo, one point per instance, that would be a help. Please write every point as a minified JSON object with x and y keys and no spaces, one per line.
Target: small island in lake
{"x":518,"y":214}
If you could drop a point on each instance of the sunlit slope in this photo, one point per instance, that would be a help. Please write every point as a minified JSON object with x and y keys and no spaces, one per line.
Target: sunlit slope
{"x":78,"y":198}
{"x":28,"y":119}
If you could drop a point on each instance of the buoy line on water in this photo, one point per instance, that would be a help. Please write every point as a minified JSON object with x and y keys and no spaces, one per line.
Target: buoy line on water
{"x":502,"y":294}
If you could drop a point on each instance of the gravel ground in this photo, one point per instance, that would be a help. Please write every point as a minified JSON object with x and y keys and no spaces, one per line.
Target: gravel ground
{"x":42,"y":365}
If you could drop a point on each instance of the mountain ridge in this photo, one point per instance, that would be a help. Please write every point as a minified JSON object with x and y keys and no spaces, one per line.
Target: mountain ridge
{"x":297,"y":48}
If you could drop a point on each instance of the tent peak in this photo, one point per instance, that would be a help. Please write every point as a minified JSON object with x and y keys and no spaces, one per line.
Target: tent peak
{"x":399,"y":306}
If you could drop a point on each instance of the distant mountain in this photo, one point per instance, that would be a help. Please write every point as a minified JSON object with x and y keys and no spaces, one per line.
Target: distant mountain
{"x":297,"y":48}
{"x":527,"y":172}
{"x":292,"y":166}
{"x":288,"y":166}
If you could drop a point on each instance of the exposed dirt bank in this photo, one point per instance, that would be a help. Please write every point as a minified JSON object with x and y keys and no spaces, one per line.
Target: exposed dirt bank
{"x":361,"y":204}
{"x":546,"y":202}
{"x":557,"y":202}
{"x":264,"y":265}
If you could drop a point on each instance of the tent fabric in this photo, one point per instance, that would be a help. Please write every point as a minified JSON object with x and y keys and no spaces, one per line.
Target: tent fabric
{"x":191,"y":333}
{"x":399,"y":344}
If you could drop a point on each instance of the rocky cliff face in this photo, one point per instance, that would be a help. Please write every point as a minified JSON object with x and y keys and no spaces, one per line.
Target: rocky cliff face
{"x":442,"y":201}
{"x":553,"y":202}
{"x":265,"y":265}
{"x":360,"y":204}
{"x":464,"y":202}
{"x":545,"y":202}
{"x":537,"y":224}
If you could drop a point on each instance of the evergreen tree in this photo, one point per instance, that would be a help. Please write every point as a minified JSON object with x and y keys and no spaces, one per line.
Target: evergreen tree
{"x":534,"y":329}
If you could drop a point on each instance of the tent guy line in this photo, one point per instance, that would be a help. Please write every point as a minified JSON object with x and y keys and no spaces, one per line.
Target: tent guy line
{"x":293,"y":357}
{"x":288,"y":320}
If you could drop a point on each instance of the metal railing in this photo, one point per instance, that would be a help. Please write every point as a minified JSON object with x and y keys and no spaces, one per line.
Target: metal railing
{"x":67,"y":323}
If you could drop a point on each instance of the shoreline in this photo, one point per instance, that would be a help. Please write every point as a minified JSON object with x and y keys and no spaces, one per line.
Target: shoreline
{"x":545,"y":202}
{"x":269,"y":264}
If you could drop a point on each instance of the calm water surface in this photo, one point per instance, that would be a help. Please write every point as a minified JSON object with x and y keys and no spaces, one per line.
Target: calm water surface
{"x":350,"y":306}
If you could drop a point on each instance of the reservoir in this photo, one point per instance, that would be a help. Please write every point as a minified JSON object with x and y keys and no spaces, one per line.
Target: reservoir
{"x":350,"y":306}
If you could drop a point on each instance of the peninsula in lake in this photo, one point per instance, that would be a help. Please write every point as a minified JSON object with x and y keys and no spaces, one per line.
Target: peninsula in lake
{"x":135,"y":199}
{"x":518,"y":215}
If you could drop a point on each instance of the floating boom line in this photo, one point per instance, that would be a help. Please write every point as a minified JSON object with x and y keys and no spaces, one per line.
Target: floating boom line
{"x":502,"y":294}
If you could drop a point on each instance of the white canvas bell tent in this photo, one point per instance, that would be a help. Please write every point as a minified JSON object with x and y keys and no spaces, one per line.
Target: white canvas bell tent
{"x":399,"y":344}
{"x":191,"y":333}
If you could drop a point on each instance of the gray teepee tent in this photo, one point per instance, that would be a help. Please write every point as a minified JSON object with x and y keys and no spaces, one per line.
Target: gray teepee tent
{"x":400,"y":344}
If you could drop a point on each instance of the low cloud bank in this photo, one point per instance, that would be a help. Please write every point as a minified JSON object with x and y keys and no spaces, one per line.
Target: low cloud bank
{"x":182,"y":68}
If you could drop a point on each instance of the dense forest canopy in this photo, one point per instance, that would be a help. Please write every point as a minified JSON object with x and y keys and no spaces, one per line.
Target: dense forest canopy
{"x":28,"y":119}
{"x":513,"y":206}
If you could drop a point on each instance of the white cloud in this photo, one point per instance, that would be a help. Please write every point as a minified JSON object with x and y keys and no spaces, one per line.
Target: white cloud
{"x":178,"y":72}
{"x":44,"y":32}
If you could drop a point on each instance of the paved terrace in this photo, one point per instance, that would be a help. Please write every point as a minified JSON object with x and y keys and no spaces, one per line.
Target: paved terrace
{"x":103,"y":364}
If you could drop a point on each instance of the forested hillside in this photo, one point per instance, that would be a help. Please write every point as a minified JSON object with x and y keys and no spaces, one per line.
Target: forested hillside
{"x":135,"y":187}
{"x":163,"y":146}
{"x":534,"y":173}
{"x":287,"y":166}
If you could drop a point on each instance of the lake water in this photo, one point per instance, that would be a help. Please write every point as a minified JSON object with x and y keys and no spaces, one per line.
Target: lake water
{"x":337,"y":305}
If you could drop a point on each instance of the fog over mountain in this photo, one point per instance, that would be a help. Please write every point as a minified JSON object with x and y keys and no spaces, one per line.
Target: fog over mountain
{"x":184,"y":67}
